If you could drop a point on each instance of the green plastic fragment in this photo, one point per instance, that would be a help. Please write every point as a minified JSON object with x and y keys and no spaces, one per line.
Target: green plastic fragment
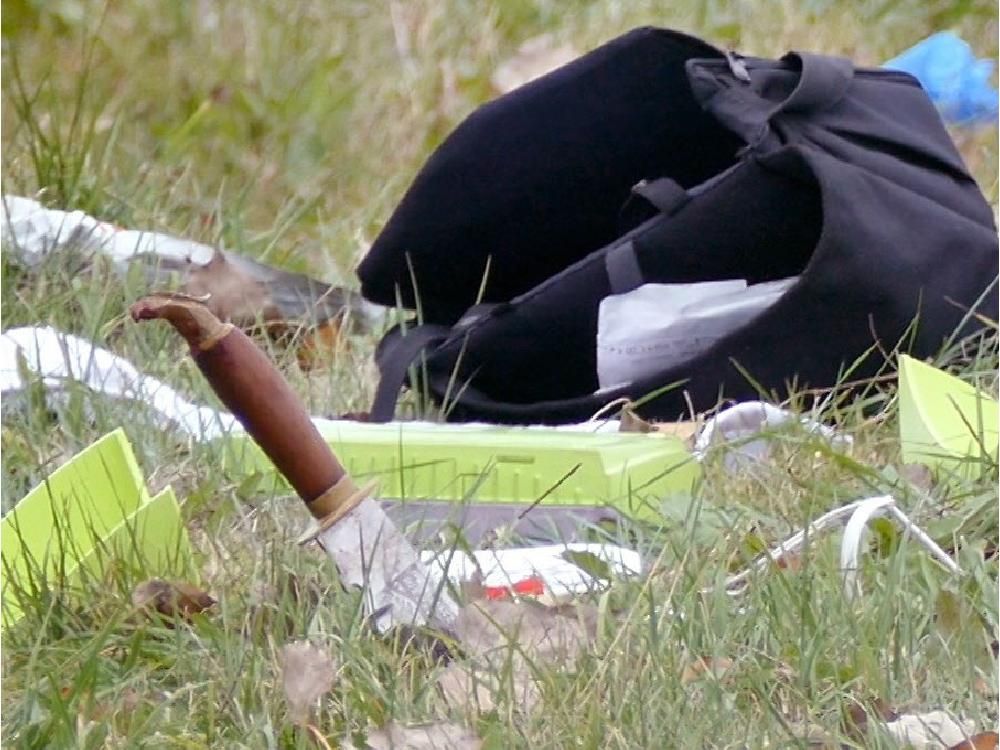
{"x":92,"y":511}
{"x":944,"y":422}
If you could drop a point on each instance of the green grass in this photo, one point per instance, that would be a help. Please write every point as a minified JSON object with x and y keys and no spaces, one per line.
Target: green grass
{"x":288,"y":131}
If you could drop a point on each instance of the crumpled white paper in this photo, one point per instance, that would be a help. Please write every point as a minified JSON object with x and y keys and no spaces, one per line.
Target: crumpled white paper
{"x":504,"y":568}
{"x":61,"y":359}
{"x":933,"y":730}
{"x":737,"y":424}
{"x":32,"y":232}
{"x":658,"y":326}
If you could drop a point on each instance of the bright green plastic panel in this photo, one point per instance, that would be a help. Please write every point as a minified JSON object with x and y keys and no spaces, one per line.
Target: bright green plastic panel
{"x":152,"y":540}
{"x":92,"y":510}
{"x":497,"y":464}
{"x":944,"y":422}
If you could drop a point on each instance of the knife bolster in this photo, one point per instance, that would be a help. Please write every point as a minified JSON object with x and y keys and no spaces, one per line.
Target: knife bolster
{"x":338,"y":501}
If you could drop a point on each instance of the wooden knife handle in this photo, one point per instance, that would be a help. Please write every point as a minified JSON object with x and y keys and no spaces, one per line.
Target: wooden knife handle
{"x":252,"y":388}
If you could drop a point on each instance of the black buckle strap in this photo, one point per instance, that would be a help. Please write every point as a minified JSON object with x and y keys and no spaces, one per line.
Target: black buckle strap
{"x":737,"y":66}
{"x":622,"y":265}
{"x":396,"y":352}
{"x":823,"y":81}
{"x":663,"y":193}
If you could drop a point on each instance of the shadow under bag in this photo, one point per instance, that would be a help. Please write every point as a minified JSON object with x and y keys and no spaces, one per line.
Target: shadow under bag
{"x":658,"y":160}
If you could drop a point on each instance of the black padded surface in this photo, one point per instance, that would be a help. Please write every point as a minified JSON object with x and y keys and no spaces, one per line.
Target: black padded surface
{"x":535,"y":180}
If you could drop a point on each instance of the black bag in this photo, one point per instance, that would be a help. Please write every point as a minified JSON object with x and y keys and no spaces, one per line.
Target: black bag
{"x":657,"y":158}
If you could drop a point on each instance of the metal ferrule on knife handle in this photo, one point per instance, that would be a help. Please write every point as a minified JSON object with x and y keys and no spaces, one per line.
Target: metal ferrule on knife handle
{"x":252,"y":388}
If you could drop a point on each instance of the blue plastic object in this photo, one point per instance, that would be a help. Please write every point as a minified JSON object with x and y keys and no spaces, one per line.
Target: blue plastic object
{"x":957,"y":82}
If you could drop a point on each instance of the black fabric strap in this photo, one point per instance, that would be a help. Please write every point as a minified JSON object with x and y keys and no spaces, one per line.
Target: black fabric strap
{"x":822,"y":83}
{"x":476,"y":313}
{"x":662,"y":194}
{"x":665,"y":194}
{"x":622,"y":265}
{"x":397,"y":351}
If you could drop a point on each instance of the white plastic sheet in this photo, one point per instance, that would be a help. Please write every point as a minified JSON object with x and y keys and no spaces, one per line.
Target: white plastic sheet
{"x":744,"y":428}
{"x":32,"y":232}
{"x":506,"y":568}
{"x":658,"y":326}
{"x":61,"y":359}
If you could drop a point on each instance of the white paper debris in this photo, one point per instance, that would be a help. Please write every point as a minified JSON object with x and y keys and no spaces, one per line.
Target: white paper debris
{"x":32,"y":232}
{"x":61,"y":359}
{"x":561,"y":578}
{"x":659,"y":326}
{"x":738,"y":424}
{"x":934,"y":730}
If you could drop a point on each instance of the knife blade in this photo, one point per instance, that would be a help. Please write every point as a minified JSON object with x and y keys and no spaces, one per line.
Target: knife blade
{"x":367,"y":548}
{"x":397,"y":586}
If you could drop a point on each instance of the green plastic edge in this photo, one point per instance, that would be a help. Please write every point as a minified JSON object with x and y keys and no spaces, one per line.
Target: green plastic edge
{"x":945,"y":422}
{"x":630,"y":472}
{"x":91,"y":513}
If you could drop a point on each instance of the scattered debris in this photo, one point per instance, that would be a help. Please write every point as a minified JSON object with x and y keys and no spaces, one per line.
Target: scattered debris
{"x":956,"y":81}
{"x":307,"y":673}
{"x":743,"y":427}
{"x":857,"y":515}
{"x":58,"y":357}
{"x":173,"y":600}
{"x":553,"y":572}
{"x":236,"y":288}
{"x":931,"y":730}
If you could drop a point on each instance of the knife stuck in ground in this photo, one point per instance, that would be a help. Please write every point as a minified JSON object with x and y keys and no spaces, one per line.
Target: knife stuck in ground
{"x":367,"y":548}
